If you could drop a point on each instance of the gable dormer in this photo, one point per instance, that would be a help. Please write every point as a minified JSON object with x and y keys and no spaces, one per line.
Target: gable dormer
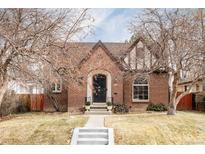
{"x":139,"y":56}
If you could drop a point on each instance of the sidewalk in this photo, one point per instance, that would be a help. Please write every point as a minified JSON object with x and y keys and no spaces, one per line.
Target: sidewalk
{"x":95,"y":121}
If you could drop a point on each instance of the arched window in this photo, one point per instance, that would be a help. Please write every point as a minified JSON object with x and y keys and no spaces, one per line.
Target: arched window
{"x":140,"y":90}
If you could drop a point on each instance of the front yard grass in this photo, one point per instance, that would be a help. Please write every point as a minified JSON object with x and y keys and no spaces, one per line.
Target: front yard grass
{"x":158,"y":128}
{"x":39,"y":128}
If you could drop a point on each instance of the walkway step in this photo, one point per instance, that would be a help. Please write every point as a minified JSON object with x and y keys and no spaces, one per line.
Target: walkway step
{"x":98,"y":109}
{"x":98,"y":112}
{"x":91,"y":141}
{"x":92,"y":136}
{"x":99,"y":105}
{"x":93,"y":130}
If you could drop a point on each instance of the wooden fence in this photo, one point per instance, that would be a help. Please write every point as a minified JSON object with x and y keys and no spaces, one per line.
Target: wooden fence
{"x":37,"y":102}
{"x":186,"y":103}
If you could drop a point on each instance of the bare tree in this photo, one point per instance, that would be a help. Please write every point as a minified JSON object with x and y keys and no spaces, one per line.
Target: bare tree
{"x":177,"y":36}
{"x":33,"y":44}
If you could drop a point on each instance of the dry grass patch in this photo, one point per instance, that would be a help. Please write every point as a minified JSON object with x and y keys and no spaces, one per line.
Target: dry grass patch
{"x":158,"y":128}
{"x":39,"y":128}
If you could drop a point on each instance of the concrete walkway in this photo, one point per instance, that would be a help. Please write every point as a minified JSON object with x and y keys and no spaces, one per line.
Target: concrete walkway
{"x":95,"y":121}
{"x":94,"y":133}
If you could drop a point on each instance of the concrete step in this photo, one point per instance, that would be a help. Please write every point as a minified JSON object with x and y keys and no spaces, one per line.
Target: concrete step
{"x":93,"y":135}
{"x":98,"y":109}
{"x":98,"y":112}
{"x":99,"y":105}
{"x":87,"y":130}
{"x":92,"y":141}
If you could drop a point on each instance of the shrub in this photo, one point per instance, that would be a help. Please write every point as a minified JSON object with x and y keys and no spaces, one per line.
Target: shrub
{"x":8,"y":105}
{"x":156,"y":107}
{"x":109,"y":103}
{"x":13,"y":103}
{"x":87,"y":103}
{"x":82,"y":109}
{"x":22,"y":108}
{"x":120,"y":108}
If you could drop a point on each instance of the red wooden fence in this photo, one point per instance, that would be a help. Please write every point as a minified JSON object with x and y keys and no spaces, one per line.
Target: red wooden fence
{"x":37,"y":102}
{"x":185,"y":103}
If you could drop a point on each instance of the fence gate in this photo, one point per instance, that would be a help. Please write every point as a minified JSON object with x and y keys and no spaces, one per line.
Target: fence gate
{"x":37,"y":102}
{"x":186,"y":103}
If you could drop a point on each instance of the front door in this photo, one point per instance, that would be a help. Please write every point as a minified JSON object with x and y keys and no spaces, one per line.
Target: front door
{"x":99,"y":88}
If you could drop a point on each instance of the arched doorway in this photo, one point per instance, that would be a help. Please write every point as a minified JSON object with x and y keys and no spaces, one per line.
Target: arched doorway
{"x":105,"y":87}
{"x":99,"y":88}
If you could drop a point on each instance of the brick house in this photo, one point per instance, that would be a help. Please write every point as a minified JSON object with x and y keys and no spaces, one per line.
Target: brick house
{"x":105,"y":77}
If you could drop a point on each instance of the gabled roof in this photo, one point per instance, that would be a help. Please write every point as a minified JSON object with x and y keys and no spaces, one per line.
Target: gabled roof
{"x":150,"y":47}
{"x":107,"y":51}
{"x":79,"y":52}
{"x":135,"y":43}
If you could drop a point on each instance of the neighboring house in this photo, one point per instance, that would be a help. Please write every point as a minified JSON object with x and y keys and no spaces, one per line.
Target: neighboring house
{"x":26,"y":88}
{"x":105,"y":77}
{"x":29,"y":93}
{"x":196,"y":99}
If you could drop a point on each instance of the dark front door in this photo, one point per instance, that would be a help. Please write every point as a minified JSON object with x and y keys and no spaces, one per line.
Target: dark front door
{"x":99,"y":88}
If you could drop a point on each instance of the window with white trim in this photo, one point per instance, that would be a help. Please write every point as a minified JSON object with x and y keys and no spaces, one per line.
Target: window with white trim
{"x":140,"y":90}
{"x":57,"y":87}
{"x":197,"y":87}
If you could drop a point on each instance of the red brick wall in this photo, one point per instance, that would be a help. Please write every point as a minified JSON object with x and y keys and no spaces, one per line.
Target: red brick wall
{"x":62,"y":99}
{"x":159,"y":88}
{"x":158,"y":91}
{"x":72,"y":99}
{"x":121,"y":90}
{"x":99,"y":60}
{"x":76,"y":96}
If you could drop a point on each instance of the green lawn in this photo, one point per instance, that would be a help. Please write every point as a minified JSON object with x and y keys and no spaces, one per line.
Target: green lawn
{"x":39,"y":128}
{"x":158,"y":128}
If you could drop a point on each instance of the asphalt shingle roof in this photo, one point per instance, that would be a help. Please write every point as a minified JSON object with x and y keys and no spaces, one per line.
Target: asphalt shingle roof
{"x":79,"y":50}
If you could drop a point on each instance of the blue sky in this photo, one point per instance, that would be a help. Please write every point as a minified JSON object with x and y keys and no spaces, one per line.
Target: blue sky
{"x":111,"y":25}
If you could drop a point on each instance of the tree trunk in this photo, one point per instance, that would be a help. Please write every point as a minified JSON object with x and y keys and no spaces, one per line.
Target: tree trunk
{"x":3,"y":89}
{"x":172,"y":107}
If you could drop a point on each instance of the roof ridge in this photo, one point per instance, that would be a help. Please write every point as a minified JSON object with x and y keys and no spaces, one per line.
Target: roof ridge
{"x":102,"y":42}
{"x":106,"y":50}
